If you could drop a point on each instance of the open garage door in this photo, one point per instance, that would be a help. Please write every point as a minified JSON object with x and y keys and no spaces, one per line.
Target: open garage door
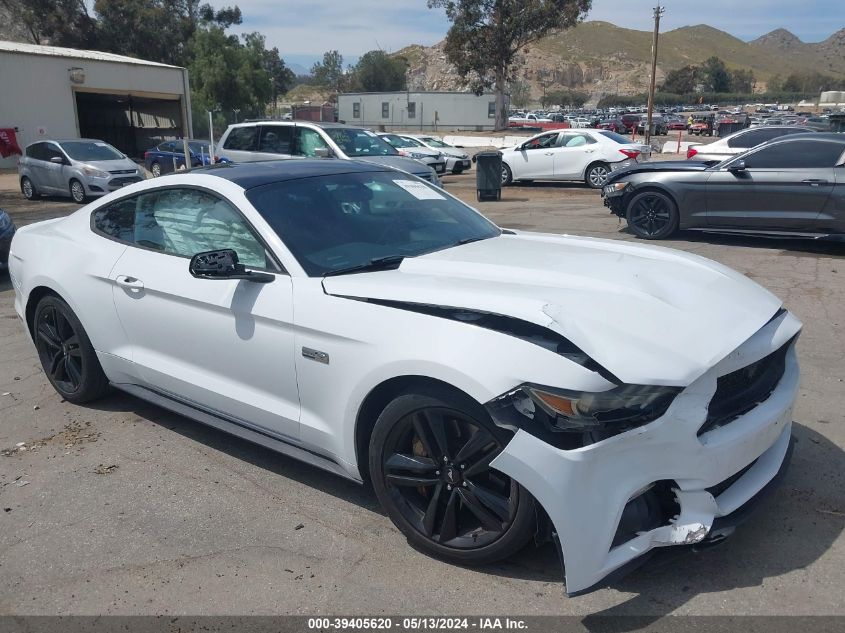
{"x":132,"y":124}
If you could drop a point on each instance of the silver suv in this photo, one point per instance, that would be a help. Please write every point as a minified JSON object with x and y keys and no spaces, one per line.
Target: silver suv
{"x":79,"y":168}
{"x":268,"y":140}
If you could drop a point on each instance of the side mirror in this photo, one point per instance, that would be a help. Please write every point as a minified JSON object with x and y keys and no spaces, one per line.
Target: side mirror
{"x":58,"y":160}
{"x":224,"y":264}
{"x":738,"y":167}
{"x":323,"y":152}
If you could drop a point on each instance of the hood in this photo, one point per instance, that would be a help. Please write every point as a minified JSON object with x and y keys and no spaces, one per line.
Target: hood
{"x":656,"y":166}
{"x":649,"y":315}
{"x":399,"y":162}
{"x":454,"y":152}
{"x":119,"y":164}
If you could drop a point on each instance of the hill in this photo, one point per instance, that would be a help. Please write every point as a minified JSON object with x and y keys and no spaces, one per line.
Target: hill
{"x":599,"y":57}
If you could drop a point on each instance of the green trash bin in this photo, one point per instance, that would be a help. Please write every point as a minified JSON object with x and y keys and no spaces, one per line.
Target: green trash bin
{"x":488,"y":175}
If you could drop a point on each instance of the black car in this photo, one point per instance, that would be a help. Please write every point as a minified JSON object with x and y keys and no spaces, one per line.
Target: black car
{"x":7,"y":232}
{"x":791,"y":185}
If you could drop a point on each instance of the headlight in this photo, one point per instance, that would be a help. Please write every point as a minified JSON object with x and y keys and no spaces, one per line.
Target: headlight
{"x":545,"y":411}
{"x":614,"y":187}
{"x":418,"y":156}
{"x":626,"y":405}
{"x":95,"y":173}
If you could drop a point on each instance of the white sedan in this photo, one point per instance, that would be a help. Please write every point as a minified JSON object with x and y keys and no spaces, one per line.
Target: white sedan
{"x":368,"y":323}
{"x":571,"y":154}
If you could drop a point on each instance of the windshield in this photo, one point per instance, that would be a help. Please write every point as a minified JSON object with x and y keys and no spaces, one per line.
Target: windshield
{"x":435,"y":142}
{"x":332,"y":223}
{"x":613,"y":136}
{"x":91,"y":150}
{"x":358,"y":142}
{"x":397,"y":141}
{"x":198,"y":147}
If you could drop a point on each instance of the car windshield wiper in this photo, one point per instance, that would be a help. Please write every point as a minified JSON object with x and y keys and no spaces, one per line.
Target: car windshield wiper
{"x":376,"y":263}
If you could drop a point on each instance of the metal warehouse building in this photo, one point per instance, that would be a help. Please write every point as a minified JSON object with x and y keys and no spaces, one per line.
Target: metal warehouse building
{"x":424,"y":111}
{"x":52,"y":92}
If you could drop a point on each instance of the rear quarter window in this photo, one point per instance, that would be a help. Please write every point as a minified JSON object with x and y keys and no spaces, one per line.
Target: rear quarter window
{"x":242,"y":138}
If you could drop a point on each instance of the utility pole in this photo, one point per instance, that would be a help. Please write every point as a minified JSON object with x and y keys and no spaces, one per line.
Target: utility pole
{"x":658,"y":11}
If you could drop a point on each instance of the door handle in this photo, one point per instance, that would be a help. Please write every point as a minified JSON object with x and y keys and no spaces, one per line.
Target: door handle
{"x":550,"y":153}
{"x":125,"y":281}
{"x":815,"y":182}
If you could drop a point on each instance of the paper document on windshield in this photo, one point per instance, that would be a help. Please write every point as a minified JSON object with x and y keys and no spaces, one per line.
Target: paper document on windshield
{"x":419,"y":190}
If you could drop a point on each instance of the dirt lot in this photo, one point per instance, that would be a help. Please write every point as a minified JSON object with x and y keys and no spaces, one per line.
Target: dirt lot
{"x":125,"y":508}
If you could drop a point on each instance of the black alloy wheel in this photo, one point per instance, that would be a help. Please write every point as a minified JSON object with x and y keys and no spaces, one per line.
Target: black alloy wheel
{"x":65,"y":352}
{"x":430,"y":466}
{"x":652,"y":215}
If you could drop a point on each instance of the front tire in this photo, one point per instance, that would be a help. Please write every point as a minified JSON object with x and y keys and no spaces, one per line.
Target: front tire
{"x":507,"y":175}
{"x":66,"y":353}
{"x":596,"y":175}
{"x":429,"y":463}
{"x":77,"y":191}
{"x":155,"y":169}
{"x":28,"y":189}
{"x":652,"y":215}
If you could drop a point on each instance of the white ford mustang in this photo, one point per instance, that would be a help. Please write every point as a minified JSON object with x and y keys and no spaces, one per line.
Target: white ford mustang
{"x":492,"y":386}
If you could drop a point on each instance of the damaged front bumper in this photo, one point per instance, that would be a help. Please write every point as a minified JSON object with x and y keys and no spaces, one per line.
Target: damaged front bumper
{"x":674,"y":481}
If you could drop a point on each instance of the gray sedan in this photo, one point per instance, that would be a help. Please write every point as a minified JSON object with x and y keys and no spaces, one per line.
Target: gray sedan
{"x":79,"y":168}
{"x":793,"y":185}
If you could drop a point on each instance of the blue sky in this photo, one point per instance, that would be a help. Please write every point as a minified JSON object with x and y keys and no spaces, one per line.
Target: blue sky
{"x":304,"y":29}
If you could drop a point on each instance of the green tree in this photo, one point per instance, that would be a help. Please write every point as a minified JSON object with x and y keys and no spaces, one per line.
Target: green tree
{"x":377,"y":71}
{"x":281,"y":77}
{"x":226,"y":75}
{"x":520,"y":93}
{"x":681,"y":80}
{"x":569,"y":98}
{"x":486,"y":36}
{"x":55,"y":22}
{"x":157,"y":30}
{"x":329,"y":72}
{"x":715,"y":75}
{"x":742,"y":81}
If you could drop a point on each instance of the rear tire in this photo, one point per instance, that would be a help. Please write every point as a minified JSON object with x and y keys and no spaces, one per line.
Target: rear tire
{"x":596,"y":175}
{"x":429,"y":465}
{"x":77,"y":191}
{"x":652,"y":215}
{"x":28,"y":189}
{"x":155,"y":169}
{"x":66,"y":353}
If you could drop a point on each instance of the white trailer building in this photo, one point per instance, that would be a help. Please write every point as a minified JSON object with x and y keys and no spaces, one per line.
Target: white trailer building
{"x":422,"y":111}
{"x":52,"y":92}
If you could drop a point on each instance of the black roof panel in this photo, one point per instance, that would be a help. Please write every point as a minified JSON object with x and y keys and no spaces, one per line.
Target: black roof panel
{"x":255,"y":174}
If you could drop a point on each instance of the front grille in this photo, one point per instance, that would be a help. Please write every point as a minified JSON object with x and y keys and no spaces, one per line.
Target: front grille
{"x":122,"y":171}
{"x":120,"y":182}
{"x":740,"y":391}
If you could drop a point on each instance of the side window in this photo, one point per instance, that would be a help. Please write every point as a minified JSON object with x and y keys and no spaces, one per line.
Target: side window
{"x":575,"y":140}
{"x":797,"y":155}
{"x":117,"y":220}
{"x":242,"y":138}
{"x":356,"y":110}
{"x":307,"y":141}
{"x":385,"y":109}
{"x":51,"y":151}
{"x":542,"y":142}
{"x":185,"y":222}
{"x":35,"y":151}
{"x":412,"y":109}
{"x":753,"y":138}
{"x":275,"y":139}
{"x":181,"y":222}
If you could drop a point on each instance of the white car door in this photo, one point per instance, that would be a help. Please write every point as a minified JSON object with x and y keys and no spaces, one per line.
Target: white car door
{"x":225,"y":345}
{"x":535,"y":158}
{"x":576,"y":150}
